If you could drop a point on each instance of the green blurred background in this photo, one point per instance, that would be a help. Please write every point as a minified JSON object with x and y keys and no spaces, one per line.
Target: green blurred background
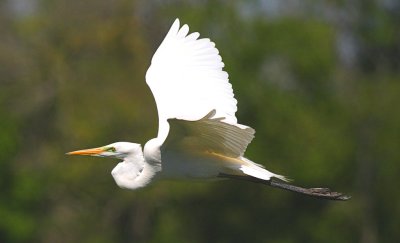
{"x":318,"y":80}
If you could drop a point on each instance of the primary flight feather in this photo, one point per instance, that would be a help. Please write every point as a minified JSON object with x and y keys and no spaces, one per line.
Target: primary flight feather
{"x":198,"y":135}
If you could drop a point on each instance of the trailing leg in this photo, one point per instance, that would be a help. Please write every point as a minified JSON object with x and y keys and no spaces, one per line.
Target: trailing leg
{"x":323,"y":193}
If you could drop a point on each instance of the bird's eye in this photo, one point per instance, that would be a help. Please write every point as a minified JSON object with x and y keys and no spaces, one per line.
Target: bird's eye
{"x":111,"y":149}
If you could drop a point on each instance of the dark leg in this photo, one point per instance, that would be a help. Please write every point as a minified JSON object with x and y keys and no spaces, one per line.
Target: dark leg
{"x":323,"y":193}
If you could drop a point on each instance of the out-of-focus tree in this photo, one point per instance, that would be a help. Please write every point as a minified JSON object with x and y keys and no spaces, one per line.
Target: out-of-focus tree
{"x":319,"y":81}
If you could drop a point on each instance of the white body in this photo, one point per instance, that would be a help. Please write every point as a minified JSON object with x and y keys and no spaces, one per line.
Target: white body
{"x":137,"y":170}
{"x":198,"y":135}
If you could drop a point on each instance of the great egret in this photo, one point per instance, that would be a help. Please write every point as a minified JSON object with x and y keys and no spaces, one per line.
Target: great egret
{"x":198,"y":135}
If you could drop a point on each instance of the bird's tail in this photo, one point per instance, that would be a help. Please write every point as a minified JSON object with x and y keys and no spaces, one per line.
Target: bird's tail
{"x":255,"y":170}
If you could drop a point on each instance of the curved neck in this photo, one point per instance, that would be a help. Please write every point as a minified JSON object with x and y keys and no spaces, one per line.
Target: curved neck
{"x":152,"y":152}
{"x":144,"y":178}
{"x":135,"y":172}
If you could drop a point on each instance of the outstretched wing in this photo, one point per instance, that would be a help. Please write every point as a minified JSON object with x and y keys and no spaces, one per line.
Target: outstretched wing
{"x":195,"y":102}
{"x":187,"y":80}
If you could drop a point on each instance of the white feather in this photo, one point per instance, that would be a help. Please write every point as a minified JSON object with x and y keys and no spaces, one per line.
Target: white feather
{"x":187,"y":79}
{"x":196,"y":109}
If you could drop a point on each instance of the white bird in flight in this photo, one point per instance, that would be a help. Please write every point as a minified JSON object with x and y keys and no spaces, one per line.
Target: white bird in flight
{"x":198,"y":135}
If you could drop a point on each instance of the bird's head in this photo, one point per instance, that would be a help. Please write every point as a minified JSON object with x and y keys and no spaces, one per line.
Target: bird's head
{"x":118,"y":150}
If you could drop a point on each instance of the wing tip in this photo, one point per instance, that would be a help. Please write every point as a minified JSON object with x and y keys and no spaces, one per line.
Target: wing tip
{"x":176,"y":22}
{"x":179,"y":31}
{"x":175,"y":26}
{"x":183,"y":31}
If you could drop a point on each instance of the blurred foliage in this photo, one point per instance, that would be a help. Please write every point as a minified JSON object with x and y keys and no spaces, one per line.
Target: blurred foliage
{"x":319,"y":81}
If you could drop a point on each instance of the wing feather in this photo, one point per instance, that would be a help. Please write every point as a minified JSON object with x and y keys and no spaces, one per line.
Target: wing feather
{"x":195,"y":102}
{"x":209,"y":134}
{"x":187,"y":80}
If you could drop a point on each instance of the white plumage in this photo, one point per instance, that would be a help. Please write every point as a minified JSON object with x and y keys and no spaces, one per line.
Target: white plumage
{"x":187,"y":79}
{"x":198,"y":135}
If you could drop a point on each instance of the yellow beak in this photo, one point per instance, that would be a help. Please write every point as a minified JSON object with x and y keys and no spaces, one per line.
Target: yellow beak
{"x":92,"y":151}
